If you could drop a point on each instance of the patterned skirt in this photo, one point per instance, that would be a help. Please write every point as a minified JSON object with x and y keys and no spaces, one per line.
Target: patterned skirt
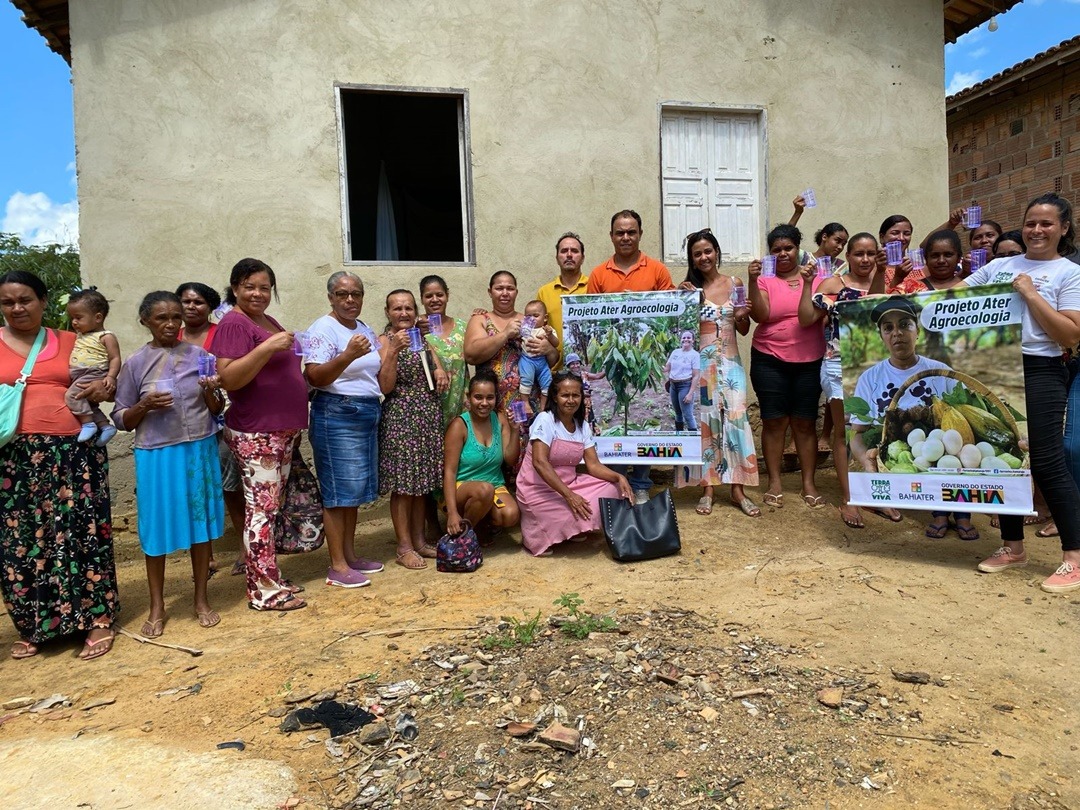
{"x":58,"y":575}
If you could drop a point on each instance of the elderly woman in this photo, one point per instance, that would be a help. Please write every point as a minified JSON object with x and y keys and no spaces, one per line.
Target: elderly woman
{"x":56,"y":537}
{"x":410,"y":436}
{"x":259,"y":369}
{"x":341,"y":364}
{"x":172,"y":410}
{"x":493,"y":341}
{"x":557,"y":503}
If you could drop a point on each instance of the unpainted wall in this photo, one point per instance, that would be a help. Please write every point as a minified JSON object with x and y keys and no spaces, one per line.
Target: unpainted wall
{"x":207,"y":131}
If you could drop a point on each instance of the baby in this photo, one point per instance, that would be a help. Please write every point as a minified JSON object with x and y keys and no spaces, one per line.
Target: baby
{"x":95,"y":356}
{"x":533,"y":368}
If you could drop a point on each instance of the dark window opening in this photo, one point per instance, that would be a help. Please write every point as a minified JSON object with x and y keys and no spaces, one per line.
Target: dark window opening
{"x":1016,"y":127}
{"x":404,"y":176}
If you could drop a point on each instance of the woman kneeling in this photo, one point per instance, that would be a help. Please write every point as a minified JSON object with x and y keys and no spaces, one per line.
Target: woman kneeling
{"x":477,"y":444}
{"x":557,"y":503}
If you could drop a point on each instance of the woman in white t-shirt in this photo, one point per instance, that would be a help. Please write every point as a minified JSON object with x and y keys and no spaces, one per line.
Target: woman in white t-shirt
{"x":682,"y":370}
{"x":342,"y":365}
{"x":1049,"y":286}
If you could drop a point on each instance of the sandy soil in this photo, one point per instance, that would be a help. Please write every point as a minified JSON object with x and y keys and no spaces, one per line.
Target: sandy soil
{"x":1003,"y":652}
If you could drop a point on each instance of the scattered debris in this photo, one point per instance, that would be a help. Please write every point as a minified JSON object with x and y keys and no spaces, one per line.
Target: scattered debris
{"x":831,"y":696}
{"x":339,"y":718}
{"x":911,"y":677}
{"x":238,"y":745}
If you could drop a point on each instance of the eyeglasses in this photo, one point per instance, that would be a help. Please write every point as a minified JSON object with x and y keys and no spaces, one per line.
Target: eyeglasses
{"x":343,"y":295}
{"x":695,"y":236}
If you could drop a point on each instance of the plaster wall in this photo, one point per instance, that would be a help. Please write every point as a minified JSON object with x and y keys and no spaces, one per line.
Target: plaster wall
{"x":207,"y":131}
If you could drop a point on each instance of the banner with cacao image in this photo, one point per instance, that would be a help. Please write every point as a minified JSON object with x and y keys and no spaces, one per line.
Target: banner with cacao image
{"x":638,"y":354}
{"x":934,"y":398}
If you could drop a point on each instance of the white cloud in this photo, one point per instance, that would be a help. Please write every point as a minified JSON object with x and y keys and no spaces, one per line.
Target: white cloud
{"x":39,"y":221}
{"x":962,"y":81}
{"x":979,"y":53}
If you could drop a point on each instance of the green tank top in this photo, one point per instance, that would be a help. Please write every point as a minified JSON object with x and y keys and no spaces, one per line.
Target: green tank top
{"x":479,"y":463}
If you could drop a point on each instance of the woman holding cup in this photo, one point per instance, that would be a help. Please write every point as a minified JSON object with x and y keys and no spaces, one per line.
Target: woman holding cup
{"x":342,"y":365}
{"x":410,"y":435}
{"x":727,"y":439}
{"x":259,"y":368}
{"x":894,"y":237}
{"x":785,"y":362}
{"x":172,"y":409}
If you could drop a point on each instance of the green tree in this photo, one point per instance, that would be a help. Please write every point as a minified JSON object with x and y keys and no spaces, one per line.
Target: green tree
{"x":56,"y":265}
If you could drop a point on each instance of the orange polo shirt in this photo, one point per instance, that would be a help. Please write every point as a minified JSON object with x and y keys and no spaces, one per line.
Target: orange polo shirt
{"x":648,"y":275}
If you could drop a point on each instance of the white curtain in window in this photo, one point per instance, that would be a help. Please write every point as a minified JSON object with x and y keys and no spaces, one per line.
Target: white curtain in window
{"x":386,"y":248}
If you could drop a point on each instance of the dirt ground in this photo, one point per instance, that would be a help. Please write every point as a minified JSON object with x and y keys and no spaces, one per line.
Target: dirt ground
{"x":997,"y":726}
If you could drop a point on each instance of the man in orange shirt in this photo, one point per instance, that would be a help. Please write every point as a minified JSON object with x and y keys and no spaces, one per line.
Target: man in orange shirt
{"x":630,"y":270}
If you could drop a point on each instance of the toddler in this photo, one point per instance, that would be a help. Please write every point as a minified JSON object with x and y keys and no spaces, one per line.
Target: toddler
{"x":95,"y":356}
{"x":533,"y":368}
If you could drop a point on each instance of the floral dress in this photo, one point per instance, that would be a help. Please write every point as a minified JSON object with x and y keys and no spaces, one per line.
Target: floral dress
{"x":410,"y":435}
{"x":505,"y":367}
{"x":727,"y":440}
{"x":450,"y":351}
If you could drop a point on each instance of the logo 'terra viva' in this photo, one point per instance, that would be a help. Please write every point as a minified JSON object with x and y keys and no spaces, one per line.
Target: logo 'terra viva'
{"x":657,"y":451}
{"x":880,"y":489}
{"x":968,"y":495}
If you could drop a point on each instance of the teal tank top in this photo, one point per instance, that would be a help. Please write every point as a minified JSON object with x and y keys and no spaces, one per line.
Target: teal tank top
{"x":479,"y":463}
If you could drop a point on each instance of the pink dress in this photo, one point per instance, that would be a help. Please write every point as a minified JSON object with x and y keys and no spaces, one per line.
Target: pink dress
{"x":546,"y":519}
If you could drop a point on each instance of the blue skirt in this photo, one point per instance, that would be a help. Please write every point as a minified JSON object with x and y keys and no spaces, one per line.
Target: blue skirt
{"x":344,"y":436}
{"x":178,"y":490}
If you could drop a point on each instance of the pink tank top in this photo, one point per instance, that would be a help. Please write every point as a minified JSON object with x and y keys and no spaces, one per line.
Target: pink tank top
{"x":781,"y":336}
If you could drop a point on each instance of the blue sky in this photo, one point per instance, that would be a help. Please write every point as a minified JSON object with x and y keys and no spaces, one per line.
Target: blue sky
{"x":37,"y":144}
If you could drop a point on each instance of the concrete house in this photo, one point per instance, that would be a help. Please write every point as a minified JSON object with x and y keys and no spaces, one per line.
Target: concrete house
{"x":402,"y":137}
{"x":1017,"y":135}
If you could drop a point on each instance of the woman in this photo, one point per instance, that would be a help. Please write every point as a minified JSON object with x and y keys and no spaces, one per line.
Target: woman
{"x":341,"y":364}
{"x":557,"y":503}
{"x":478,"y":443}
{"x":830,"y":242}
{"x":198,"y":301}
{"x":727,"y":440}
{"x":448,"y":343}
{"x":493,"y":341}
{"x":820,"y":307}
{"x":173,"y":412}
{"x":681,"y":372}
{"x":943,"y":254}
{"x":785,"y":365}
{"x":257,"y":366}
{"x":1010,"y":243}
{"x":1051,"y":321}
{"x":410,"y":441}
{"x":56,"y":536}
{"x":896,"y":228}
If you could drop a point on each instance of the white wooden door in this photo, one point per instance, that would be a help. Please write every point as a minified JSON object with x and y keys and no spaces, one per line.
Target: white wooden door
{"x":711,"y":179}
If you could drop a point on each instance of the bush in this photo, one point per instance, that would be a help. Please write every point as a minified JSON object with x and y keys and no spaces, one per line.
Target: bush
{"x":56,"y":265}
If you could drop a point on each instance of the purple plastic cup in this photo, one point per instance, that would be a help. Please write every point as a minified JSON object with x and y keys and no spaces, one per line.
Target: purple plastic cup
{"x":768,"y":267}
{"x":301,"y":343}
{"x":918,"y":260}
{"x":434,"y":323}
{"x":165,"y":386}
{"x":207,"y":365}
{"x":977,"y":258}
{"x":528,"y":323}
{"x":972,"y":217}
{"x":894,"y":253}
{"x":738,"y":295}
{"x":824,"y":266}
{"x":809,"y":198}
{"x":416,"y":340}
{"x":521,"y":416}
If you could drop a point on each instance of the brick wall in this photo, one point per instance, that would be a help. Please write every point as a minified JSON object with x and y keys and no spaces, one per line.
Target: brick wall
{"x":1004,"y":150}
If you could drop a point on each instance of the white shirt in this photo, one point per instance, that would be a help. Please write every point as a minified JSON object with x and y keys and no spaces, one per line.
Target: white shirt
{"x":684,"y":363}
{"x":329,"y":339}
{"x":547,"y":428}
{"x":877,"y":385}
{"x":1058,"y":282}
{"x":538,"y":332}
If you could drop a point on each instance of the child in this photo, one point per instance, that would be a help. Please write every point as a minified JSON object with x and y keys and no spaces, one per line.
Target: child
{"x":573,"y":362}
{"x":533,"y":368}
{"x":96,"y":356}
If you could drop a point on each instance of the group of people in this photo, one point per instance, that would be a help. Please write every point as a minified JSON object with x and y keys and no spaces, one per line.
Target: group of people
{"x":217,"y":409}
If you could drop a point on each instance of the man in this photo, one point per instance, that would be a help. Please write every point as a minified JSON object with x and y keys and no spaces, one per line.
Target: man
{"x":570,"y":254}
{"x":630,"y":270}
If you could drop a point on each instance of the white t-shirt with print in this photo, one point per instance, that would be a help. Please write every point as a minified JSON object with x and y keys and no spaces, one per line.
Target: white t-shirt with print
{"x":879,"y":383}
{"x":1058,"y":282}
{"x":329,"y":339}
{"x":684,"y":364}
{"x":547,"y":429}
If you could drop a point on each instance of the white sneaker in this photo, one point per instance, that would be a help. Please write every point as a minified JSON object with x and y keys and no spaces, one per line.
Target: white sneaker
{"x":641,"y":496}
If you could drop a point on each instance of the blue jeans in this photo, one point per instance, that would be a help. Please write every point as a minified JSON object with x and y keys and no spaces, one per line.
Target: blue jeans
{"x":636,"y":474}
{"x":534,"y":371}
{"x":684,"y":411}
{"x":344,"y":434}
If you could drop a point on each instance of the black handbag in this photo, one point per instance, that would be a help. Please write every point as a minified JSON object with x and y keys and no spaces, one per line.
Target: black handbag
{"x":642,"y":532}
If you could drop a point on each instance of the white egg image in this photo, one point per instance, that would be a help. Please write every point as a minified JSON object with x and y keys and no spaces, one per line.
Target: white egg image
{"x":953,"y":441}
{"x":932,"y":450}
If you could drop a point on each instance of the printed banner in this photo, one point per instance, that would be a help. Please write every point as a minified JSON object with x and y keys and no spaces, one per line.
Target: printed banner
{"x":637,"y":353}
{"x":934,"y":396}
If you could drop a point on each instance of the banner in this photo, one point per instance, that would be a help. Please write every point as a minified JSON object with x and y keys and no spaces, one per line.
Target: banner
{"x":934,"y":396}
{"x":638,"y":354}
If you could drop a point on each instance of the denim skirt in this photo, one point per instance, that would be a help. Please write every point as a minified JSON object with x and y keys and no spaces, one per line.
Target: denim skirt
{"x":344,"y":436}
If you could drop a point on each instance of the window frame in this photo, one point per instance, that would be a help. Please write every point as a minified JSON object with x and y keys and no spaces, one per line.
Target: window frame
{"x":468,"y":226}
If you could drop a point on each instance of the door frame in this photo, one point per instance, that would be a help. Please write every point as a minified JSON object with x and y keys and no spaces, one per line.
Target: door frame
{"x":712,"y":107}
